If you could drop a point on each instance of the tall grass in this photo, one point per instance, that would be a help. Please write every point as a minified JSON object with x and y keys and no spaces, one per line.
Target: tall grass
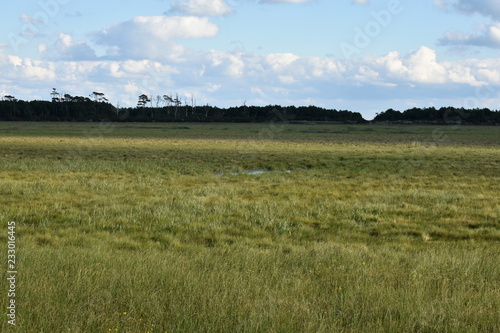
{"x":321,"y":287}
{"x":171,"y":235}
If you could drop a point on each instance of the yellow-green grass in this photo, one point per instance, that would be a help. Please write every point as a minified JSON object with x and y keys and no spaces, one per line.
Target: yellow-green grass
{"x":281,"y":129}
{"x":144,"y":233}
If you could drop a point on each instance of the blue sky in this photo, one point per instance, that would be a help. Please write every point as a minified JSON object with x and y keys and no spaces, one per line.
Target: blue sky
{"x":361,"y":55}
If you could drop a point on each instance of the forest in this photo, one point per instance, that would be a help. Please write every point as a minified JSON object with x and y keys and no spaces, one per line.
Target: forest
{"x":442,"y":115}
{"x":167,"y":108}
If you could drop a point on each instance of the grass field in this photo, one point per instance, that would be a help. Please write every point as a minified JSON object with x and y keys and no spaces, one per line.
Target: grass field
{"x":160,"y":228}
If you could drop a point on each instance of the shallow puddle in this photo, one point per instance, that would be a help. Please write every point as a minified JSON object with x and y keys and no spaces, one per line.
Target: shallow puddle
{"x":252,"y":172}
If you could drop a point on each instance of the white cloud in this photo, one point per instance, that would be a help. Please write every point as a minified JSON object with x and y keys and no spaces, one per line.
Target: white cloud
{"x":226,"y":78}
{"x":226,"y":63}
{"x":279,"y":61}
{"x":65,"y":49}
{"x":369,"y":76}
{"x":202,"y":7}
{"x":153,"y":37}
{"x":18,"y":69}
{"x":423,"y":67}
{"x":490,"y":75}
{"x":15,"y":61}
{"x":488,"y":37}
{"x":394,"y":64}
{"x":461,"y":74}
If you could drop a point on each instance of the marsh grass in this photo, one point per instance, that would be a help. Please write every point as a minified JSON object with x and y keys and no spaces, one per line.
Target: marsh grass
{"x":142,"y":233}
{"x":251,"y":132}
{"x":322,"y":287}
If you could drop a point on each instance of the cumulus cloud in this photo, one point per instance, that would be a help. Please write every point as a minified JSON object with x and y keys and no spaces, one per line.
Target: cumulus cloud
{"x":488,"y":37}
{"x":153,"y":37}
{"x":201,"y":7}
{"x":66,"y":49}
{"x":421,"y":67}
{"x":223,"y":78}
{"x":27,"y":70}
{"x":279,"y":61}
{"x":231,"y":65}
{"x":490,"y":75}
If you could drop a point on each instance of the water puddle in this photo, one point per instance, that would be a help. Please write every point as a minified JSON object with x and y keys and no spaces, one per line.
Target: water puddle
{"x":252,"y":172}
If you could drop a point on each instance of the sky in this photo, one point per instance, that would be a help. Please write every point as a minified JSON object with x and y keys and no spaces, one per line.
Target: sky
{"x":360,"y":55}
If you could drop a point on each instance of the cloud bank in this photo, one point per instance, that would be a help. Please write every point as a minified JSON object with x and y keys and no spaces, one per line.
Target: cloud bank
{"x":145,"y":55}
{"x":279,"y":78}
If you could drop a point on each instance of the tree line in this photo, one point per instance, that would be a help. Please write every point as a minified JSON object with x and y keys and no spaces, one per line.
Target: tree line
{"x":62,"y":107}
{"x":444,"y":115}
{"x":169,"y":108}
{"x":166,"y":108}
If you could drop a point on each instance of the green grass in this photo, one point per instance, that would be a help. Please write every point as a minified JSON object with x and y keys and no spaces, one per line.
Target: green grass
{"x":134,"y":229}
{"x":279,"y":130}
